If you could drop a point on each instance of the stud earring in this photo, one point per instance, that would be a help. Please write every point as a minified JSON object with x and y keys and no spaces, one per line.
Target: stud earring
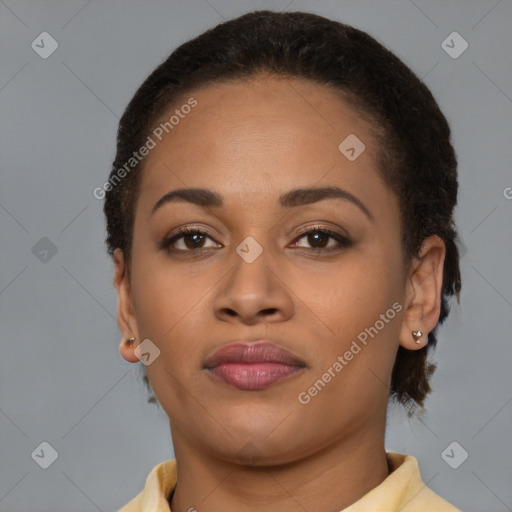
{"x":130,"y":340}
{"x":417,"y":335}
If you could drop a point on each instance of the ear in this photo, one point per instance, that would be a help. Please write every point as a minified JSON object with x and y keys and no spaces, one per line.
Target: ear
{"x":423,"y":293}
{"x":125,"y":314}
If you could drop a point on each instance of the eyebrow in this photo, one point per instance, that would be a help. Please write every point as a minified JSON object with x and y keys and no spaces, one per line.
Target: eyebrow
{"x":207,"y":198}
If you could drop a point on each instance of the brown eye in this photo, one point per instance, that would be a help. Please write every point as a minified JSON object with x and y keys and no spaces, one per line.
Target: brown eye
{"x":190,"y":239}
{"x":319,"y":238}
{"x":193,"y":240}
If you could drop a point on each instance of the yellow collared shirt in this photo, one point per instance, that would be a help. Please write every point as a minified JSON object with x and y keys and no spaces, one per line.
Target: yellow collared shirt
{"x":402,"y":491}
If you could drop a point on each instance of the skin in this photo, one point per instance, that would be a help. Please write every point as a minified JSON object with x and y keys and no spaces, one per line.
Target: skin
{"x":251,"y":142}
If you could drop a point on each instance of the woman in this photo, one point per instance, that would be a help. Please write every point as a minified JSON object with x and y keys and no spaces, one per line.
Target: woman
{"x":280,"y":216}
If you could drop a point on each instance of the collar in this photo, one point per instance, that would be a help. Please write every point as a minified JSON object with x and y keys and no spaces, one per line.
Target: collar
{"x":403,"y":490}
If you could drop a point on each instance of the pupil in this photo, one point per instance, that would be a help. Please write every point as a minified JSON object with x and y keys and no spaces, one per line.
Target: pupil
{"x":194,"y":237}
{"x":317,"y":238}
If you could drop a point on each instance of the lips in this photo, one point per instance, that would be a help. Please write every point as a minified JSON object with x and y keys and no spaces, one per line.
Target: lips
{"x":252,"y":366}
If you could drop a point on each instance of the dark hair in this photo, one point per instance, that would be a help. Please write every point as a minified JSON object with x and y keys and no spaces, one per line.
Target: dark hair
{"x":417,"y":160}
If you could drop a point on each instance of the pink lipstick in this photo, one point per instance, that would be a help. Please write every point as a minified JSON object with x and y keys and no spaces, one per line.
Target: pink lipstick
{"x":252,"y":366}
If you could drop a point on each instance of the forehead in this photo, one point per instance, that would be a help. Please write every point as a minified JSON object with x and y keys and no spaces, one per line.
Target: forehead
{"x":251,"y":137}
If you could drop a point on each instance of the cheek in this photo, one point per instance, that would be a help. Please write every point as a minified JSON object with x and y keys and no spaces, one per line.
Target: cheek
{"x":360,"y":323}
{"x":360,"y":304}
{"x":167,"y":311}
{"x":164,"y":297}
{"x":352,"y":294}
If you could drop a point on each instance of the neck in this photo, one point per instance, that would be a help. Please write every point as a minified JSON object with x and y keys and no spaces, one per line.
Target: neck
{"x":331,"y":479}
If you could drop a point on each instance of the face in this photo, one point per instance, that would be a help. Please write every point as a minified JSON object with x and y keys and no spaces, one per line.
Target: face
{"x":319,"y":275}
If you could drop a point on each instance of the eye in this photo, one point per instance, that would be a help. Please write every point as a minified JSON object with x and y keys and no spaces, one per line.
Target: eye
{"x":193,"y":239}
{"x":319,"y":238}
{"x":190,"y":239}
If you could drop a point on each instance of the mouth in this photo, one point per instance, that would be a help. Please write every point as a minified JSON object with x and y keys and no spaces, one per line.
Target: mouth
{"x":252,"y":366}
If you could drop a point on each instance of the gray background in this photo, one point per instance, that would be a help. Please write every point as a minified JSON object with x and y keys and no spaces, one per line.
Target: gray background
{"x":62,"y":379}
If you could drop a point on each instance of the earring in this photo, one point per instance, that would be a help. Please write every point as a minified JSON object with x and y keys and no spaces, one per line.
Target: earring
{"x":130,"y":340}
{"x":417,"y":335}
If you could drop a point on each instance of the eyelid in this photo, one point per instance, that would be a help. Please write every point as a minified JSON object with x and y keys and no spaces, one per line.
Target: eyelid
{"x":327,"y":229}
{"x":190,"y":228}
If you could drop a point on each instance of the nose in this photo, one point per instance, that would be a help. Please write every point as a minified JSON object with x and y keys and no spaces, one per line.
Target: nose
{"x":254,"y":292}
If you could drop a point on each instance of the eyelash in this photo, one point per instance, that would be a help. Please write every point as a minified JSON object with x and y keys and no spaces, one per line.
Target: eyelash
{"x":343,"y":241}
